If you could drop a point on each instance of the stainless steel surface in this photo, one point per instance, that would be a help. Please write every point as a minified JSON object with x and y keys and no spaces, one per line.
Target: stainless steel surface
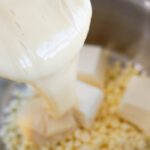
{"x":120,"y":24}
{"x":123,"y":26}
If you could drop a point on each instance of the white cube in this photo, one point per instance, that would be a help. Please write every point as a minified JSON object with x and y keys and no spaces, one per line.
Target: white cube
{"x":135,"y":106}
{"x":89,"y":101}
{"x":92,"y":65}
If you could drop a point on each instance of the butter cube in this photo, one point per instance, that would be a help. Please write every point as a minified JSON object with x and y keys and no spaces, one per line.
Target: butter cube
{"x":135,"y":106}
{"x":92,"y":64}
{"x":36,"y":123}
{"x":89,"y":102}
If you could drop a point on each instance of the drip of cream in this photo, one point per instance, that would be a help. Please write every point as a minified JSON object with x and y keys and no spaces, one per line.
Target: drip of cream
{"x":39,"y":44}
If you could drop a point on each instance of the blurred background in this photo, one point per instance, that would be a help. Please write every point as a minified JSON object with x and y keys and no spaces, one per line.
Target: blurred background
{"x":123,"y":26}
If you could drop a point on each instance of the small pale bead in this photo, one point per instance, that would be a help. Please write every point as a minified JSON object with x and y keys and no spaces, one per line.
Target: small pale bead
{"x":77,"y":144}
{"x":97,"y":141}
{"x":86,"y":147}
{"x":78,"y":134}
{"x":44,"y":148}
{"x":85,"y":137}
{"x":58,"y":148}
{"x":69,"y":145}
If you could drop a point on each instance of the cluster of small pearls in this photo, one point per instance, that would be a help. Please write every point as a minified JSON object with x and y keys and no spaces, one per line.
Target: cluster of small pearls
{"x":108,"y":132}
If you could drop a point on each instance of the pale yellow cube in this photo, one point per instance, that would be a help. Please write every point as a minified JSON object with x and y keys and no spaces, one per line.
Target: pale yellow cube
{"x":92,"y":65}
{"x":135,"y":106}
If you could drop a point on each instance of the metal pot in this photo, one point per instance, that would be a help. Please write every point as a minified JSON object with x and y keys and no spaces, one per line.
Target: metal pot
{"x":122,"y":25}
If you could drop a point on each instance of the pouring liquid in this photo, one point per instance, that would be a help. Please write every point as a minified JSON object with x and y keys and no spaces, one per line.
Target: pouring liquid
{"x":39,"y":44}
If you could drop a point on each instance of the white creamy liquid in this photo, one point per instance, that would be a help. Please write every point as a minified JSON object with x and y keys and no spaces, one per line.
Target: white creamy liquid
{"x":39,"y":44}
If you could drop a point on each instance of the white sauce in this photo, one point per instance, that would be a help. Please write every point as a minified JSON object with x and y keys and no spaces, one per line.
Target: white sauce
{"x":38,"y":38}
